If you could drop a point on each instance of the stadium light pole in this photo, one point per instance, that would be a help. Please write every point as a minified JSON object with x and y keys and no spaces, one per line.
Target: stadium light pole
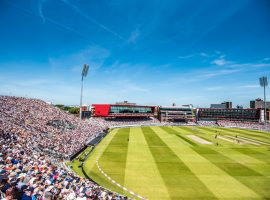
{"x":84,"y":74}
{"x":264,"y":84}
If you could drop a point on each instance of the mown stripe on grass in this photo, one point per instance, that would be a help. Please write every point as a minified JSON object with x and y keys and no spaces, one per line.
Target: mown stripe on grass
{"x":172,"y":131}
{"x":251,"y":161}
{"x":240,"y":132}
{"x":113,"y":159}
{"x":253,"y":135}
{"x":91,"y":168}
{"x":212,"y":134}
{"x":246,"y":160}
{"x":240,"y":152}
{"x":250,"y":131}
{"x":253,"y":153}
{"x":142,"y":174}
{"x":239,"y":171}
{"x":218,"y":181}
{"x":181,"y":183}
{"x":252,"y":179}
{"x":195,"y":131}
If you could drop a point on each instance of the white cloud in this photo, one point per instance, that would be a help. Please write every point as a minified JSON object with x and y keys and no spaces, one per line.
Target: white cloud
{"x":214,"y":73}
{"x":134,"y":36}
{"x":32,"y":82}
{"x":204,"y":54}
{"x":211,"y":72}
{"x":232,"y":88}
{"x":122,"y":70}
{"x":249,"y":65}
{"x":201,"y":54}
{"x":133,"y":88}
{"x":40,"y":9}
{"x":95,"y":56}
{"x":58,"y":80}
{"x":45,"y":18}
{"x":214,"y":88}
{"x":221,"y":61}
{"x":92,"y":20}
{"x":250,"y":86}
{"x":186,"y":56}
{"x":197,"y":76}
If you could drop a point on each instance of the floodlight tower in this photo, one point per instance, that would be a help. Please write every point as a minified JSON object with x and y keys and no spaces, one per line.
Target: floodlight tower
{"x":264,"y":84}
{"x":84,"y":74}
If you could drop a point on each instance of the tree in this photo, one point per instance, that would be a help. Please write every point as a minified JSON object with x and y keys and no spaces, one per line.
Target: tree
{"x":74,"y":110}
{"x":60,"y":106}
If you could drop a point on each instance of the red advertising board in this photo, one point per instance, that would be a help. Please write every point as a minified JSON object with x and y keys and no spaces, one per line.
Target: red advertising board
{"x":101,"y":110}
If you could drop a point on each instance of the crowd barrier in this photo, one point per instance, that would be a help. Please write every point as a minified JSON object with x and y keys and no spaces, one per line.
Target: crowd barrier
{"x":72,"y":157}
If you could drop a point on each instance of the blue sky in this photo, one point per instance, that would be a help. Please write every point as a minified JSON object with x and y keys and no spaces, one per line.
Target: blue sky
{"x":149,"y":52}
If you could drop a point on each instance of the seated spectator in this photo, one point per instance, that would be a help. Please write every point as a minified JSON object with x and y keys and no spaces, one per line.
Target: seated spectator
{"x":34,"y":139}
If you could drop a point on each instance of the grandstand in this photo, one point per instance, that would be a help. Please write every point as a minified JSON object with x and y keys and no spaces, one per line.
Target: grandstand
{"x":121,"y":110}
{"x":175,"y":114}
{"x":210,"y":114}
{"x":41,"y":145}
{"x":188,"y":70}
{"x":35,"y":139}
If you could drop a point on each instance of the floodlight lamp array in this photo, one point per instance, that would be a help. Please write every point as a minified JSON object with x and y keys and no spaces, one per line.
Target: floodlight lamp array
{"x":263,"y":82}
{"x":85,"y":70}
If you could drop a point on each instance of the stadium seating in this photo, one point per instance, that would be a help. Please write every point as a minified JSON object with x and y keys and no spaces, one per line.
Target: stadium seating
{"x":35,"y":140}
{"x":245,"y":125}
{"x":33,"y":148}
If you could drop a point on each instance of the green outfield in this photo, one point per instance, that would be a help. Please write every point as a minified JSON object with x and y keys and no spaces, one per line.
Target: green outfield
{"x":184,"y":163}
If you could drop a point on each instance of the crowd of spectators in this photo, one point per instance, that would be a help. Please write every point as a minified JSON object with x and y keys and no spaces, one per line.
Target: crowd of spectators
{"x":39,"y":123}
{"x":61,"y":124}
{"x":35,"y":139}
{"x":237,"y":124}
{"x":30,"y":175}
{"x":32,"y":151}
{"x":207,"y":123}
{"x":112,"y":122}
{"x":244,"y":124}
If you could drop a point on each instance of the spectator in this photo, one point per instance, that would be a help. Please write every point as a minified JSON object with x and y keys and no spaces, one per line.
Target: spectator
{"x":34,"y":139}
